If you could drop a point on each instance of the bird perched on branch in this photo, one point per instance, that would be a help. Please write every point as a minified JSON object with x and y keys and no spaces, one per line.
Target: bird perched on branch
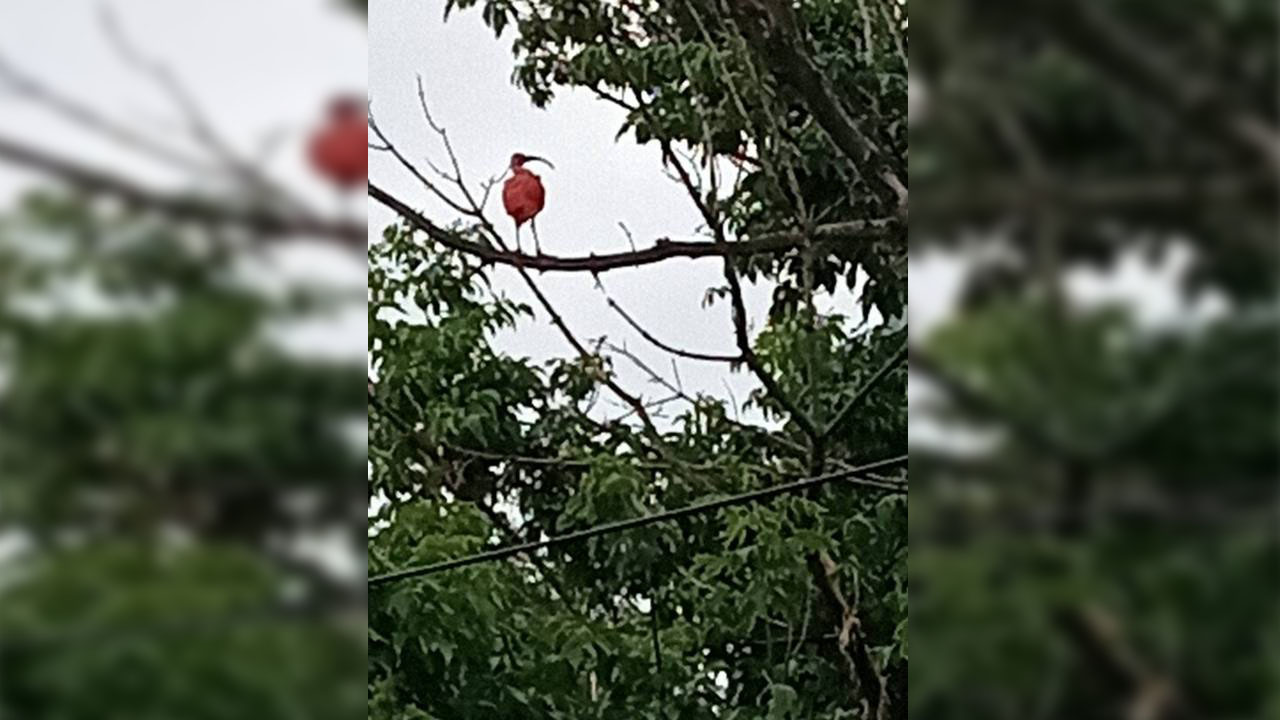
{"x":338,"y":149}
{"x":523,"y":196}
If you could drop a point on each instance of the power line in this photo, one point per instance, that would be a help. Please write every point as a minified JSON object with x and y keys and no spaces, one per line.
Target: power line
{"x":850,"y":475}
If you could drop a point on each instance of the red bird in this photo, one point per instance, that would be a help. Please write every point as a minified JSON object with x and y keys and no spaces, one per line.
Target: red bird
{"x":523,"y":196}
{"x":339,"y":149}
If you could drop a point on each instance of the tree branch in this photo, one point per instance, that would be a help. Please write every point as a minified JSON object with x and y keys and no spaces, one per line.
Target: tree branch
{"x":190,"y":208}
{"x":783,"y":49}
{"x":636,"y":404}
{"x":752,"y":361}
{"x":850,"y":639}
{"x":689,"y":354}
{"x":1115,"y":49}
{"x":663,"y":249}
{"x":388,"y":147}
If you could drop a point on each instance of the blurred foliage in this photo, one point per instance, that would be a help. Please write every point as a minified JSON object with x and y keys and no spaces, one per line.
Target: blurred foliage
{"x":1110,"y":549}
{"x":125,"y":631}
{"x":1030,"y":102}
{"x":160,"y":450}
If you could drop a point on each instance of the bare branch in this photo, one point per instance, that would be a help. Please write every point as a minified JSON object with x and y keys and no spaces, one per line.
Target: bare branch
{"x":664,"y":346}
{"x":444,"y":138}
{"x":654,"y":375}
{"x":196,"y":117}
{"x":662,"y":249}
{"x":28,"y":87}
{"x":388,"y":146}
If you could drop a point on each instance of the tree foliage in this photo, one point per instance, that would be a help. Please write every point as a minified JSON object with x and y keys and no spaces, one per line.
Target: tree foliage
{"x":791,"y":609}
{"x":156,"y":443}
{"x":713,"y":77}
{"x":503,"y":451}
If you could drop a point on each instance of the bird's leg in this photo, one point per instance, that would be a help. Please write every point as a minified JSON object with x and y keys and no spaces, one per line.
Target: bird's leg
{"x":537,"y":248}
{"x":518,"y":238}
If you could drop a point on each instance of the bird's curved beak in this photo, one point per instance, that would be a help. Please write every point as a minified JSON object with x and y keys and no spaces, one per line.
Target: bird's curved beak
{"x":535,"y":158}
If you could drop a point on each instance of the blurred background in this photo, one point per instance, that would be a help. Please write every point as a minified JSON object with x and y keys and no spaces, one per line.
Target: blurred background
{"x":182,"y":337}
{"x":1093,"y":390}
{"x":1093,"y":395}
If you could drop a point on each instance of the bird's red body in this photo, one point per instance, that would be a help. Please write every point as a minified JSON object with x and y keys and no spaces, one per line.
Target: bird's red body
{"x":523,"y":195}
{"x":338,"y":150}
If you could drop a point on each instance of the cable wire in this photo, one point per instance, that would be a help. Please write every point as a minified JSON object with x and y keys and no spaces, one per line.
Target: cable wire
{"x":850,"y":475}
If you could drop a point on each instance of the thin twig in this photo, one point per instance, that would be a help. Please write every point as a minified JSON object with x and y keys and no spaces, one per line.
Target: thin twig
{"x":197,"y":119}
{"x":389,"y":147}
{"x":690,"y":354}
{"x":865,"y":389}
{"x":28,"y":87}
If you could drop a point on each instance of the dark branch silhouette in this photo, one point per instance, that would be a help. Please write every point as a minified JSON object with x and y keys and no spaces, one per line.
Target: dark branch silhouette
{"x":690,"y":354}
{"x":275,"y":211}
{"x":264,"y":221}
{"x":769,"y":243}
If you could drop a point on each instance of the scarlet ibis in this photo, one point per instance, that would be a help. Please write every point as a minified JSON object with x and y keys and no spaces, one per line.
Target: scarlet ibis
{"x":338,"y":150}
{"x":523,"y":195}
